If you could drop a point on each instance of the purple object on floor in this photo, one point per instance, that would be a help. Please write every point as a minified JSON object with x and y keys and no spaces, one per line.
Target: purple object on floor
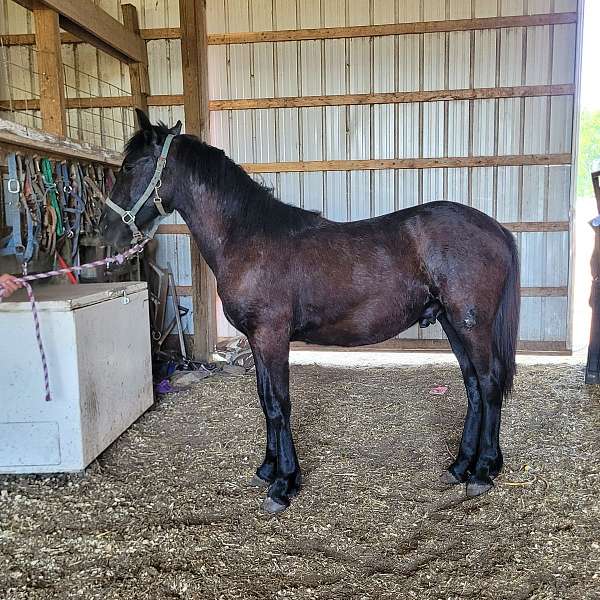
{"x":164,"y":387}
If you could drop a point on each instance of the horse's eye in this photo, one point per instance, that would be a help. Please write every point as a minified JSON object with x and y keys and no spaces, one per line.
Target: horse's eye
{"x":126,"y":169}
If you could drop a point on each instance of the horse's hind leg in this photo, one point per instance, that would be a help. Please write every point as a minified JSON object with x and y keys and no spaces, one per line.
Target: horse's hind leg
{"x":489,"y":455}
{"x":482,"y":424}
{"x":459,"y":470}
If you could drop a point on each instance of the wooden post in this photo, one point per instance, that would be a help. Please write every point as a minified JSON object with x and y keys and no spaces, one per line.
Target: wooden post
{"x":52,"y":85}
{"x":194,"y":54}
{"x":592,"y":370}
{"x":138,"y":71}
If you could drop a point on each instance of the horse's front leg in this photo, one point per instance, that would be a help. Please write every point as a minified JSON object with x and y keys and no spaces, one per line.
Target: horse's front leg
{"x":266,"y":473}
{"x":280,"y":467}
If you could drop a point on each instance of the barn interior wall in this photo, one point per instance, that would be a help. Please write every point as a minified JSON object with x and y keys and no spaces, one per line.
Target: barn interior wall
{"x":487,"y":58}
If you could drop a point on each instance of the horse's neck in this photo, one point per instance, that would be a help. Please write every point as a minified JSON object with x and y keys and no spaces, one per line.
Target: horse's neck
{"x":204,"y":215}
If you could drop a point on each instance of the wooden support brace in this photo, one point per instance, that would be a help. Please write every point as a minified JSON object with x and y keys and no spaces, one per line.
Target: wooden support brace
{"x":194,"y":54}
{"x":90,"y":23}
{"x":138,"y":71}
{"x":52,"y":87}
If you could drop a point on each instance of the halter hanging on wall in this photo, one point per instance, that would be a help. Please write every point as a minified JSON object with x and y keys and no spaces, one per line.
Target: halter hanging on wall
{"x":51,"y":208}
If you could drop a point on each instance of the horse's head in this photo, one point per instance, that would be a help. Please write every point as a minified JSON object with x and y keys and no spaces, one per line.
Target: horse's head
{"x":141,"y":163}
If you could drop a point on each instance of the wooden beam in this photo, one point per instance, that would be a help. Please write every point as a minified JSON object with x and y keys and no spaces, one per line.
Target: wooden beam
{"x":28,"y":39}
{"x":162,"y":33}
{"x":138,"y":71}
{"x":18,"y":137}
{"x":49,"y":64}
{"x":409,"y":163}
{"x":170,"y":33}
{"x":166,"y":100}
{"x":94,"y":102}
{"x":194,"y":55}
{"x":526,"y":292}
{"x":520,"y":227}
{"x":544,"y":292}
{"x":18,"y":39}
{"x":305,"y":101}
{"x":524,"y":226}
{"x":433,"y":345}
{"x":331,"y":33}
{"x":95,"y":26}
{"x":174,"y":228}
{"x":393,"y":98}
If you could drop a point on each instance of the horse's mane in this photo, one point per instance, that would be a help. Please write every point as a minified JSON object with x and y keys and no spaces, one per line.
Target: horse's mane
{"x":252,"y":204}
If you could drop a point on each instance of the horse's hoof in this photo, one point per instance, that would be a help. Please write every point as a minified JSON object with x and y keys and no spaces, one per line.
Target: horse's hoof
{"x":272,"y":506}
{"x":449,"y":478}
{"x":259,"y":482}
{"x":477,"y":489}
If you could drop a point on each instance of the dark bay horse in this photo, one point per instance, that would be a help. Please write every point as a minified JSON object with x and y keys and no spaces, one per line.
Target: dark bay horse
{"x":284,"y":274}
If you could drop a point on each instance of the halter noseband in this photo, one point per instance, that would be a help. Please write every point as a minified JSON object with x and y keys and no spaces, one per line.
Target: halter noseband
{"x":128,"y":216}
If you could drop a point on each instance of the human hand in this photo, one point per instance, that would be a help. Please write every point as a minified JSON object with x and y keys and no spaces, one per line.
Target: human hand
{"x":9,"y":284}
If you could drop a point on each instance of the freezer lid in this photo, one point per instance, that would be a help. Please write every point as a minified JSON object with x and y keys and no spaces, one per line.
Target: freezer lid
{"x":66,"y":296}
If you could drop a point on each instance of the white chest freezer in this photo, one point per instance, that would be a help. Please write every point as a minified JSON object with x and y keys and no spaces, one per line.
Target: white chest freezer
{"x":97,"y":343}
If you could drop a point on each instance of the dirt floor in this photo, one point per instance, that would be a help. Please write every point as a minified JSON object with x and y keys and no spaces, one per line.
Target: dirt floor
{"x":166,"y":513}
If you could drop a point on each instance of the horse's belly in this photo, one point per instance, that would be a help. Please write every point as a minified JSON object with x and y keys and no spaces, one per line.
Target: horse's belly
{"x":359,"y":327}
{"x":331,"y":336}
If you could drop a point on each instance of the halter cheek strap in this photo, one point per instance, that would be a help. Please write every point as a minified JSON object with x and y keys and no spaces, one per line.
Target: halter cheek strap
{"x":128,"y":216}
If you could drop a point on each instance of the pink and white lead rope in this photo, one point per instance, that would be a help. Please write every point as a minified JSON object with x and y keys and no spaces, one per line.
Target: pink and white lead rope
{"x":118,"y":258}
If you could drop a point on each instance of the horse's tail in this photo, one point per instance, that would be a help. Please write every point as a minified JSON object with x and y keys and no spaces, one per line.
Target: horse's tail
{"x":506,"y":322}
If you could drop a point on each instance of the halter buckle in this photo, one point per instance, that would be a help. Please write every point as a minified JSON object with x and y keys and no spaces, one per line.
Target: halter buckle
{"x":13,"y":186}
{"x":127,"y":218}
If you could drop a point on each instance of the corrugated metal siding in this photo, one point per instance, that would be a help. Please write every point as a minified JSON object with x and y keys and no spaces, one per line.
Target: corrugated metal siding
{"x":454,"y":60}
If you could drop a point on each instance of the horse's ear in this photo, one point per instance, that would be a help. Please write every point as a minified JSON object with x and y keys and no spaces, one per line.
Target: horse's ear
{"x":176,"y":130}
{"x":143,"y":120}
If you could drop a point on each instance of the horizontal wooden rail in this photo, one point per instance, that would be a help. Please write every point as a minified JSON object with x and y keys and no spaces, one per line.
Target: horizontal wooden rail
{"x":331,"y":33}
{"x":165,"y":33}
{"x":544,"y":292}
{"x":409,"y":163}
{"x":15,"y":137}
{"x":95,"y":102}
{"x":532,"y":226}
{"x":433,"y":345}
{"x":526,"y":292}
{"x":313,"y":101}
{"x":393,"y":98}
{"x":537,"y":226}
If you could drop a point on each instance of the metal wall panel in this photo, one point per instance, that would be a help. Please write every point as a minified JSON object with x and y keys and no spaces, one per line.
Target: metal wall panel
{"x":516,"y":56}
{"x":455,"y":60}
